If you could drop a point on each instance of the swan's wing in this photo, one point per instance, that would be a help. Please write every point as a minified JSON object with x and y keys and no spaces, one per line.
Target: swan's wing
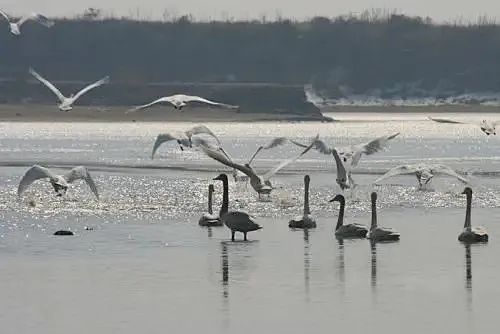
{"x":34,"y":173}
{"x":371,"y":147}
{"x":162,"y":138}
{"x":319,"y":145}
{"x":190,"y":98}
{"x":446,"y":120}
{"x":285,"y":163}
{"x":53,"y":88}
{"x":144,"y":106}
{"x":81,"y":173}
{"x":202,"y":129}
{"x":273,"y":143}
{"x":5,"y":16}
{"x":38,"y":18}
{"x":96,"y":84}
{"x":443,"y":169}
{"x":399,"y":170}
{"x":217,"y":153}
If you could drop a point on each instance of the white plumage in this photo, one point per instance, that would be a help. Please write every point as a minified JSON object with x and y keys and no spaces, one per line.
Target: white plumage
{"x":15,"y":27}
{"x":178,"y":101}
{"x":66,"y":103}
{"x":59,"y":182}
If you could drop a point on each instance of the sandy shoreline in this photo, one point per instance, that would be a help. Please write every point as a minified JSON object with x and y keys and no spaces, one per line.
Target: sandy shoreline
{"x":50,"y":113}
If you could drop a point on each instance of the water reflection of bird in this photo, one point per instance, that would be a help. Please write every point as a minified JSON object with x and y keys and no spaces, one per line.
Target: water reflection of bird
{"x":468,"y":267}
{"x":307,"y":261}
{"x":225,"y":270}
{"x":373,"y":248}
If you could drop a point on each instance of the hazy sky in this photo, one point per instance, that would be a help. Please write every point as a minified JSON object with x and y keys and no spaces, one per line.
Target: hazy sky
{"x":441,"y":10}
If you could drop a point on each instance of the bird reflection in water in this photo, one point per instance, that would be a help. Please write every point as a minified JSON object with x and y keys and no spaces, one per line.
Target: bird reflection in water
{"x":307,"y":262}
{"x":468,"y":267}
{"x":225,"y":270}
{"x":373,"y":247}
{"x":341,"y":260}
{"x":209,"y":231}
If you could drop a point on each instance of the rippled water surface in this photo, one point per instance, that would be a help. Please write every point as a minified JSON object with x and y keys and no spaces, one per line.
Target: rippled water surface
{"x":139,"y":262}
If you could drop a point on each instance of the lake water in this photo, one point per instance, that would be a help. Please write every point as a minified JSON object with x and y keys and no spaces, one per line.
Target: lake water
{"x":146,"y":266}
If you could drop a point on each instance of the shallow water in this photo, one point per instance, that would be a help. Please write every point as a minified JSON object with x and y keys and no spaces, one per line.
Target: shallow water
{"x":147,"y":266}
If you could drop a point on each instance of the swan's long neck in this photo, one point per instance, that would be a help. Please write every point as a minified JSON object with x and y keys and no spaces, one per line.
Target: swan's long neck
{"x":468,"y":212}
{"x":374,"y":214}
{"x":210,"y":194}
{"x":225,"y":198}
{"x":340,"y":220}
{"x":307,"y":210}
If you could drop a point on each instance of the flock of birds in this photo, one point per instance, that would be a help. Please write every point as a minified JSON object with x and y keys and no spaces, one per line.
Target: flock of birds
{"x":346,"y":159}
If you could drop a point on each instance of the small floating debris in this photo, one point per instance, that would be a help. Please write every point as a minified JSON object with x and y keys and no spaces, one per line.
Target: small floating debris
{"x":88,"y":228}
{"x":63,"y":232}
{"x":32,"y":203}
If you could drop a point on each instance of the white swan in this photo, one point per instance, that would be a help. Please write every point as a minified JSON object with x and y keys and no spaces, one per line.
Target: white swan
{"x":380,"y":233}
{"x":59,"y":182}
{"x":260,"y":183}
{"x":471,"y":234}
{"x":184,"y":139}
{"x":349,"y":230}
{"x":236,"y":221}
{"x":423,"y":172}
{"x":306,"y":220}
{"x":488,"y":127}
{"x":208,"y":218}
{"x":347,"y":158}
{"x":15,"y":27}
{"x":67,"y":102}
{"x":181,"y":100}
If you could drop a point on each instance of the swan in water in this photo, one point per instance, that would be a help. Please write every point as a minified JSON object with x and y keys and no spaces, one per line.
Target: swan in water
{"x":184,"y":139}
{"x":304,"y":221}
{"x":488,"y":127}
{"x":59,"y":182}
{"x":67,"y":102}
{"x":423,"y":172}
{"x":236,"y":221}
{"x":181,"y":100}
{"x":15,"y":27}
{"x":471,"y":234}
{"x":260,"y":183}
{"x":209,"y":219}
{"x":349,"y":230}
{"x":347,"y":158}
{"x":380,"y":233}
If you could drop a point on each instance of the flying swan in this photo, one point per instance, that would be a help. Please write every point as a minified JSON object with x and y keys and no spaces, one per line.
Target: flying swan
{"x":59,"y":182}
{"x":423,"y":172}
{"x":488,"y":127}
{"x":184,"y":139}
{"x":178,"y":101}
{"x":66,"y":103}
{"x":347,"y":158}
{"x":260,"y":183}
{"x":236,"y":221}
{"x":471,"y":234}
{"x":15,"y":27}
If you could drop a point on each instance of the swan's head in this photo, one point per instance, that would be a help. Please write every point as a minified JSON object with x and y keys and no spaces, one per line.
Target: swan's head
{"x":467,"y":191}
{"x":374,"y":196}
{"x":339,"y":198}
{"x":221,"y":177}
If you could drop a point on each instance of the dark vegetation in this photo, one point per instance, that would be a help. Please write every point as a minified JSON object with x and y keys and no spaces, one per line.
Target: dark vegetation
{"x":373,"y":52}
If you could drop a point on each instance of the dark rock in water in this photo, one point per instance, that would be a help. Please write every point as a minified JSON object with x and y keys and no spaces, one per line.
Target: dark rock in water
{"x":63,"y":232}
